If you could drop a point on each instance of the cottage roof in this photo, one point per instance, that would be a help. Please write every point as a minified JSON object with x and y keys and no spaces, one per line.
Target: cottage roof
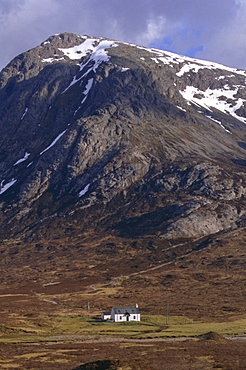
{"x":126,"y":309}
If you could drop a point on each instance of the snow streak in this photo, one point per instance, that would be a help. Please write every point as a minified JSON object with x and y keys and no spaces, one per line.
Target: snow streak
{"x":5,"y":187}
{"x":84,"y":191}
{"x":53,"y":142}
{"x":22,"y":159}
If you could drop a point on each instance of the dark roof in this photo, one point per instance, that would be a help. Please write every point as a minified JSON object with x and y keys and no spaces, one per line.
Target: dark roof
{"x":126,"y":309}
{"x":106,"y":313}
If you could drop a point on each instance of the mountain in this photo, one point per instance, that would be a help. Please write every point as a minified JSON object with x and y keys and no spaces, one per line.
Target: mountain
{"x":121,"y":157}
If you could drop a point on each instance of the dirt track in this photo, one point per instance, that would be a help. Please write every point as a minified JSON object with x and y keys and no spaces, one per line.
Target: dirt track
{"x":105,"y":339}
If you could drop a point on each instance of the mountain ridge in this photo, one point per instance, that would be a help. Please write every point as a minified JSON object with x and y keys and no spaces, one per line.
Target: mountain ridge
{"x":111,"y":150}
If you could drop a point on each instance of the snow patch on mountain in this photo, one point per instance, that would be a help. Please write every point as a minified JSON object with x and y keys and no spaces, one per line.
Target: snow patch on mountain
{"x":98,"y":53}
{"x":184,"y":110}
{"x":216,"y":121}
{"x":51,"y":60}
{"x":22,"y":159}
{"x":88,"y":86}
{"x":96,"y":47}
{"x":195,"y":65}
{"x":84,"y":191}
{"x":188,"y":64}
{"x":87,"y":89}
{"x":220,"y":99}
{"x":79,"y":51}
{"x":53,"y":142}
{"x":5,"y":187}
{"x":125,"y":69}
{"x":190,"y":67}
{"x":23,"y":115}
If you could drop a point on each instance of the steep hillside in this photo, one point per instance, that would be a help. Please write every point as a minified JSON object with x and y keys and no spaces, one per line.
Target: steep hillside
{"x":117,"y":156}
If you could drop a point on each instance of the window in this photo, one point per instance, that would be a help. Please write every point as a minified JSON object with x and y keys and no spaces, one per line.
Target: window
{"x":120,"y":317}
{"x":134,"y":317}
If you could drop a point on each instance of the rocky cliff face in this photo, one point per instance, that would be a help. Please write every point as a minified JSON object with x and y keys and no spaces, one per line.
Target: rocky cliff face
{"x":119,"y":138}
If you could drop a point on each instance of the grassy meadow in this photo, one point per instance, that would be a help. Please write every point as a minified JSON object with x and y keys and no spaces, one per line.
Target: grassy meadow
{"x":151,"y":326}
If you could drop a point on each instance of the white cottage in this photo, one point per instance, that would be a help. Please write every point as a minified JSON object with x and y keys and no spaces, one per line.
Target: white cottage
{"x":125,"y":313}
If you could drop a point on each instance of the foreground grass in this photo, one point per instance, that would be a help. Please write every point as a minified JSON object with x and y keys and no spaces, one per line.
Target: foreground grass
{"x":69,"y":328}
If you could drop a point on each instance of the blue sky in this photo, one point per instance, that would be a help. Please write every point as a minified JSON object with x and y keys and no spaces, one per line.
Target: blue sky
{"x":207,"y":29}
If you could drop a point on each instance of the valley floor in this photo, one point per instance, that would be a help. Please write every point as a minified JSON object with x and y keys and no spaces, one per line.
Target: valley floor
{"x":45,"y":322}
{"x":127,"y":354}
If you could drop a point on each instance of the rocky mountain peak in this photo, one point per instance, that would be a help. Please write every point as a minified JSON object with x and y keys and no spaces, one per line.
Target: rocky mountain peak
{"x":143,"y":141}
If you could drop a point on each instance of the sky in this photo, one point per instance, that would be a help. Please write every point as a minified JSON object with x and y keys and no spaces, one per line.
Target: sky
{"x":213,"y":30}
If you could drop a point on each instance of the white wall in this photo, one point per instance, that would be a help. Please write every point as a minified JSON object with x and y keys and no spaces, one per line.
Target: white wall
{"x":105,"y":317}
{"x":122,"y":317}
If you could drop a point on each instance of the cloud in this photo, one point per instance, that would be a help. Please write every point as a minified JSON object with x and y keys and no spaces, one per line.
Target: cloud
{"x":229,"y":45}
{"x":22,"y":25}
{"x":208,"y":29}
{"x":154,"y":28}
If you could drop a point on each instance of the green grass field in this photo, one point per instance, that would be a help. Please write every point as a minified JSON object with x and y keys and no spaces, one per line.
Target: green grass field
{"x":152,"y":326}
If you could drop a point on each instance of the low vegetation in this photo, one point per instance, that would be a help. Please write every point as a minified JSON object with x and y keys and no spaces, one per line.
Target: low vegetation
{"x":66,"y":342}
{"x":72,"y":328}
